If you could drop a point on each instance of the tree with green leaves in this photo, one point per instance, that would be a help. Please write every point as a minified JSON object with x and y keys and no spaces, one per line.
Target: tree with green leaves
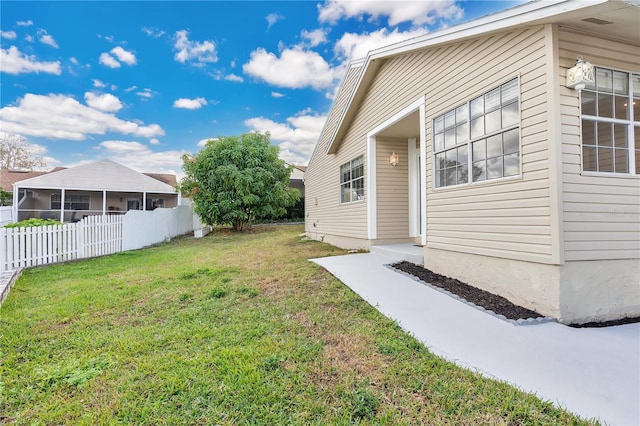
{"x":5,"y":197}
{"x":237,"y":180}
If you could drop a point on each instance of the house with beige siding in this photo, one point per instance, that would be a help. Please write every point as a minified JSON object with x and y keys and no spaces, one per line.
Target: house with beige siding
{"x":97,"y":188}
{"x":472,"y":143}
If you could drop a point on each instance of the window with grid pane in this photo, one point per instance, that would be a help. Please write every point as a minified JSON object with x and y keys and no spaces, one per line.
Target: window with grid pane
{"x":481,"y":136}
{"x":352,"y":180}
{"x":71,"y":202}
{"x":611,"y":123}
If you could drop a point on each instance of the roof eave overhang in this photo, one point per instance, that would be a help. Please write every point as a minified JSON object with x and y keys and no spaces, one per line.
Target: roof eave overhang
{"x":72,"y":188}
{"x":533,"y":13}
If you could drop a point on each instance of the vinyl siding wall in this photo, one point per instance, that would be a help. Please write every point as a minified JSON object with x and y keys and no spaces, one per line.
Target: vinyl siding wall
{"x":508,"y":218}
{"x":392,"y":186}
{"x":601,"y":212}
{"x":511,"y":217}
{"x":324,"y":214}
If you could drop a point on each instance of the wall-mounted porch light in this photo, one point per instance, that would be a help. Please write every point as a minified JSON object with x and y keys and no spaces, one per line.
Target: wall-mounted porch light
{"x":580,"y":74}
{"x":394,"y":159}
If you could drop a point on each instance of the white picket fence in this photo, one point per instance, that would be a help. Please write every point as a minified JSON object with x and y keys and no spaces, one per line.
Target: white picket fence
{"x":93,"y":236}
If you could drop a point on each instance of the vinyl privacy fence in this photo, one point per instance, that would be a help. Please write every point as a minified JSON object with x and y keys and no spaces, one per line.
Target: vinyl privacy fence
{"x":5,"y":215}
{"x":93,"y":236}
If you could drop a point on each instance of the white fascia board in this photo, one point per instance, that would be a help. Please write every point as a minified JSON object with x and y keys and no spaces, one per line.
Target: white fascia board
{"x":524,"y":14}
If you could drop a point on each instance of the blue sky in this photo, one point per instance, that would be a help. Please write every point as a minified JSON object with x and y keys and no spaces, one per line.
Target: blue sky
{"x":144,"y":82}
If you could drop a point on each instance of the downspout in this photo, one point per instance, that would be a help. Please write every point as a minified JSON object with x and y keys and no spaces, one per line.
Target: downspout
{"x":423,"y":173}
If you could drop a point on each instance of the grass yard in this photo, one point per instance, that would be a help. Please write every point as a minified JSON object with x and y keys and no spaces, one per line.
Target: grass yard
{"x":230,"y":329}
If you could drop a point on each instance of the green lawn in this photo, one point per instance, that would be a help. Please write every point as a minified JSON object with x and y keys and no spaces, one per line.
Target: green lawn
{"x":230,"y":329}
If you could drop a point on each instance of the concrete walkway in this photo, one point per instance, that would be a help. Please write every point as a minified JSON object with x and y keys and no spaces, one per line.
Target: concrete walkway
{"x":7,"y":279}
{"x":592,"y":372}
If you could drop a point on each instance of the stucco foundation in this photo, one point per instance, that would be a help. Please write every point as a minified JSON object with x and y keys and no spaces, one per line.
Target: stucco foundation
{"x":573,"y":293}
{"x":600,"y":290}
{"x":531,"y":285}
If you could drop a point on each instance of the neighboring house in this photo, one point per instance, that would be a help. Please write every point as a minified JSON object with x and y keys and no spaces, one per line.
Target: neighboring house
{"x":509,"y":179}
{"x":9,"y":177}
{"x":297,"y":179}
{"x":97,"y":188}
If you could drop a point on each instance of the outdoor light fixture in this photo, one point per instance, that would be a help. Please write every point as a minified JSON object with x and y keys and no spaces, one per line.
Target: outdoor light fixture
{"x":394,"y":159}
{"x":580,"y":75}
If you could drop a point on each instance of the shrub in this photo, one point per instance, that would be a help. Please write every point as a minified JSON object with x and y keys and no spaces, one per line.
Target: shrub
{"x":33,"y":222}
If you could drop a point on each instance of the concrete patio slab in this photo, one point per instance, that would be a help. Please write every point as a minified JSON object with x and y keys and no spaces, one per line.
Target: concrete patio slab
{"x":592,"y":372}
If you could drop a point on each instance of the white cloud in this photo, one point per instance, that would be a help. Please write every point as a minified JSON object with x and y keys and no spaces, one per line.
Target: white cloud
{"x":108,"y":60}
{"x":76,"y":64}
{"x":63,"y":117}
{"x":356,"y":46}
{"x":203,"y":142}
{"x":142,"y":158}
{"x":123,"y":147}
{"x":154,"y":141}
{"x":295,"y":68}
{"x":277,"y":95}
{"x":189,"y":103}
{"x":104,"y":102}
{"x":195,"y":51}
{"x":233,"y":77}
{"x":314,"y":37}
{"x":15,"y":62}
{"x":10,"y":35}
{"x":131,"y":89}
{"x":29,"y":38}
{"x":124,"y":55}
{"x":109,"y":38}
{"x":47,"y":39}
{"x":296,"y":138}
{"x":99,"y":84}
{"x":416,"y":12}
{"x":145,"y":94}
{"x":152,"y":32}
{"x":272,"y":18}
{"x":24,"y":23}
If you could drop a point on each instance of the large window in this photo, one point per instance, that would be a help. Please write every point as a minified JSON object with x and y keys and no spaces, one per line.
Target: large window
{"x":352,"y":180}
{"x":480,"y":139}
{"x":71,"y":202}
{"x":611,"y":123}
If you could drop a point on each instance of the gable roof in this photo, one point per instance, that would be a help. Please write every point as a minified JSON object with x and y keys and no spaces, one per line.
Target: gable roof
{"x":571,"y":13}
{"x":101,"y":175}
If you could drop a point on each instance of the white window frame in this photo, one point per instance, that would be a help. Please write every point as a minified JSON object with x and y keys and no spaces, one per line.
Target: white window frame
{"x":354,"y":196}
{"x":459,"y":120}
{"x":632,"y":126}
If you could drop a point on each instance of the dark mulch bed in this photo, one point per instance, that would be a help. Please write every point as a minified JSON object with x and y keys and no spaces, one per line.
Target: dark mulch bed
{"x":489,"y":301}
{"x":478,"y":297}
